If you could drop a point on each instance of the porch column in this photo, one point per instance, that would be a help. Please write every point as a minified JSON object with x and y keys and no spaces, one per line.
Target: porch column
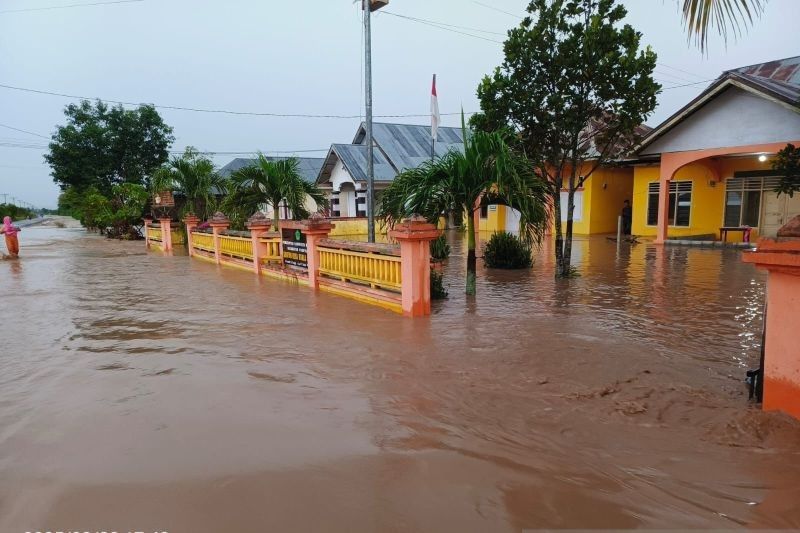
{"x":147,"y":222}
{"x":414,"y":235}
{"x":663,"y":209}
{"x":781,"y":258}
{"x":258,"y":224}
{"x":166,"y":233}
{"x":315,"y":229}
{"x":191,"y":222}
{"x":219,"y":223}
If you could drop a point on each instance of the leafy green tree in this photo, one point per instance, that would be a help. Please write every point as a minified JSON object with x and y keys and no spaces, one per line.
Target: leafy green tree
{"x":487,"y":172}
{"x":15,"y":212}
{"x":124,"y":211}
{"x":193,"y":176}
{"x":102,"y":146}
{"x":787,"y":163}
{"x":700,"y":16}
{"x":575,"y":87}
{"x":273,"y":183}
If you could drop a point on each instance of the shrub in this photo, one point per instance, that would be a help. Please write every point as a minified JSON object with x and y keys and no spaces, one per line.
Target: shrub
{"x":440,"y":250}
{"x":438,"y":292}
{"x":505,"y":250}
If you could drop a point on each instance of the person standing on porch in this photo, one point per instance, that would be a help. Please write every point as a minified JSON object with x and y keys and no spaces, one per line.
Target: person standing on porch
{"x":627,"y":217}
{"x":10,"y":231}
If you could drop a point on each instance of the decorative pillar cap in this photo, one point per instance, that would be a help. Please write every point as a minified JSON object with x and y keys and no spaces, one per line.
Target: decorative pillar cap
{"x":415,"y":227}
{"x":191,"y":218}
{"x":316,"y":223}
{"x":220,"y":217}
{"x":790,"y":230}
{"x":258,"y":221}
{"x":148,"y":219}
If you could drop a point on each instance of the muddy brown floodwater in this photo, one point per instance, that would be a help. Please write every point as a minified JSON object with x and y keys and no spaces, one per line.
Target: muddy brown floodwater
{"x":140,"y":392}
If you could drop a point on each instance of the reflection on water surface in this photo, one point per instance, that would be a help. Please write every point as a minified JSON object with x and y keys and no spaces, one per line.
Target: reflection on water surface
{"x":144,"y":391}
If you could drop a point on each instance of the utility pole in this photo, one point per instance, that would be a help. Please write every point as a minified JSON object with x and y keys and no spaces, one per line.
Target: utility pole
{"x":5,"y":197}
{"x":369,"y":6}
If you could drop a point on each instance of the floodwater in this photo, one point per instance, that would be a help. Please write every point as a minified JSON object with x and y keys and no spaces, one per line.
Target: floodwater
{"x":144,"y":392}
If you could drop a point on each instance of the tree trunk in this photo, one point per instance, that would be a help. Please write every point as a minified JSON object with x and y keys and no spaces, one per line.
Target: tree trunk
{"x":276,"y":216}
{"x":471,"y":259}
{"x":566,"y":257}
{"x":559,"y":246}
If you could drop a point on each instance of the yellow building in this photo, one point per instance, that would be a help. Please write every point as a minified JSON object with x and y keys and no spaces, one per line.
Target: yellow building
{"x":597,"y":204}
{"x":708,"y":168}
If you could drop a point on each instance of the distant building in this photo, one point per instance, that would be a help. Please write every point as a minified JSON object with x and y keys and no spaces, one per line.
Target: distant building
{"x":308,"y":168}
{"x":398,"y":147}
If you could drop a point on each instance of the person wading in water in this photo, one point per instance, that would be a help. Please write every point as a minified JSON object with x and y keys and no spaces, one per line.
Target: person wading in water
{"x":10,"y":231}
{"x":627,"y":218}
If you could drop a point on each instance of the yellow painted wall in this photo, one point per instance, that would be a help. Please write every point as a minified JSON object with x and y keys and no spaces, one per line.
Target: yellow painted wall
{"x":609,"y":188}
{"x":495,"y":220}
{"x":708,"y":202}
{"x":353,"y":227}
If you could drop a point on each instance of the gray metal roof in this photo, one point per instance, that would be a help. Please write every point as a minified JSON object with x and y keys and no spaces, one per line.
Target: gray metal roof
{"x":309,"y":167}
{"x":398,"y":147}
{"x":407,"y":145}
{"x":783,"y":71}
{"x":354,"y":158}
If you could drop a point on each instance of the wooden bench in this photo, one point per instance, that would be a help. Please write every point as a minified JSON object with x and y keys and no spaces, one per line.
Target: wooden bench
{"x":723,"y":232}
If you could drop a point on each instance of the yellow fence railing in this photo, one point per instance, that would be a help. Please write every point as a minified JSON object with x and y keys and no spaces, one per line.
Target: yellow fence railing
{"x":155,"y":234}
{"x":203,"y":241}
{"x":177,"y":236}
{"x":273,"y":250}
{"x":236,"y":247}
{"x":377,"y":270}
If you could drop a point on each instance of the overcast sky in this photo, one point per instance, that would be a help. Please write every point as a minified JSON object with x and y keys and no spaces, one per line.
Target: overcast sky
{"x":293,"y":57}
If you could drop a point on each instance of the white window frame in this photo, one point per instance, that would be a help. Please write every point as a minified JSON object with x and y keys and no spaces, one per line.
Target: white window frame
{"x":676,"y":187}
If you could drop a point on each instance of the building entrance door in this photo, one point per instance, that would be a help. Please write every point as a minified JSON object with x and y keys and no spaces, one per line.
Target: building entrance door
{"x":777,"y":211}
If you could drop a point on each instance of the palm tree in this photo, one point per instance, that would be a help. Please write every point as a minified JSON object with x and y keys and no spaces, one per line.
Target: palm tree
{"x":700,"y":15}
{"x":194,"y":176}
{"x":273,"y":182}
{"x":488,"y":172}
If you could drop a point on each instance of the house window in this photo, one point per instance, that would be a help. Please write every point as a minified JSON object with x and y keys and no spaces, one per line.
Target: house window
{"x":680,"y":203}
{"x":484,"y":211}
{"x":577,"y":214}
{"x":743,"y":199}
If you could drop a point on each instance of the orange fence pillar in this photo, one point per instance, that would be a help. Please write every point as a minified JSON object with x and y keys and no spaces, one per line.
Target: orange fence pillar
{"x":414,"y":235}
{"x":781,"y":258}
{"x":219,"y":223}
{"x":147,"y":222}
{"x":166,"y":233}
{"x":315,"y":229}
{"x":258,"y":224}
{"x":191,"y":222}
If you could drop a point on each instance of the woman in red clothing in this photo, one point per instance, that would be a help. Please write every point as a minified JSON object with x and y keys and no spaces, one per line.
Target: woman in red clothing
{"x":10,"y":231}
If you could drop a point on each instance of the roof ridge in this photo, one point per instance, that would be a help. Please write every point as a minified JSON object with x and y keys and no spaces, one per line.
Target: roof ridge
{"x":760,"y":63}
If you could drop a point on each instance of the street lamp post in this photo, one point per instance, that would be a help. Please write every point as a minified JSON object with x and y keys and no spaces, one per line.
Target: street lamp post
{"x":369,"y":6}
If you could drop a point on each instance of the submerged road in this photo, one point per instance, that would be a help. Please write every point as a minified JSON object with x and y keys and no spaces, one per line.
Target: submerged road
{"x":144,"y":392}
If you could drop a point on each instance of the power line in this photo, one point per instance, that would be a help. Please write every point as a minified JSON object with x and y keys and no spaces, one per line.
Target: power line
{"x":679,"y":70}
{"x":497,"y":9}
{"x":415,"y":19}
{"x":27,"y":9}
{"x":439,"y":27}
{"x":687,"y":84}
{"x":215,"y":111}
{"x":23,"y":131}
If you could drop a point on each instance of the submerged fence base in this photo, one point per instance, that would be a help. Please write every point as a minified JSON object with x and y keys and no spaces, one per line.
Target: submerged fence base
{"x":394,"y":277}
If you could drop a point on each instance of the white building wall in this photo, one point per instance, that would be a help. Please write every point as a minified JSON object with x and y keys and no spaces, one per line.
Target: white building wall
{"x":734,"y":118}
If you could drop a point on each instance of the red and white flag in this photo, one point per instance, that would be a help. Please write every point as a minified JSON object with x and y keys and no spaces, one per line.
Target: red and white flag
{"x":435,"y":118}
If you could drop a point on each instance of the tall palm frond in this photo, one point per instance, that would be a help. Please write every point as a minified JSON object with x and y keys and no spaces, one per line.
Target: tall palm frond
{"x":487,"y":172}
{"x":193,"y":176}
{"x":724,"y":15}
{"x":274,"y":183}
